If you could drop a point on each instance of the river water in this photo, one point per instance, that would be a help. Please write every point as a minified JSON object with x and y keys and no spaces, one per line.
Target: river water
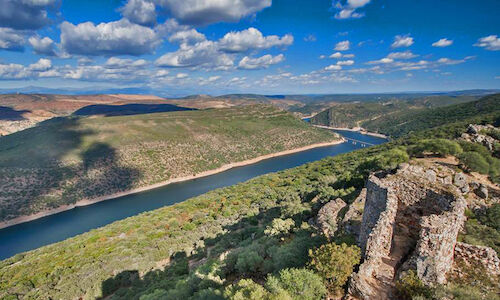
{"x":54,"y":228}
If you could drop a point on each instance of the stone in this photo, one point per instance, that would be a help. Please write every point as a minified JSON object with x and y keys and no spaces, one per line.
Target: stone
{"x":472,"y":129}
{"x":460,"y":180}
{"x":430,"y":175}
{"x":352,"y":218}
{"x":408,"y":223}
{"x":482,"y":191}
{"x":465,"y":189}
{"x":327,"y":217}
{"x":474,"y":255}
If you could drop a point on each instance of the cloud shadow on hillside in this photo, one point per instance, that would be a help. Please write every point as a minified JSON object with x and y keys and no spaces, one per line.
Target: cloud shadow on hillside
{"x":10,"y":114}
{"x":127,"y":109}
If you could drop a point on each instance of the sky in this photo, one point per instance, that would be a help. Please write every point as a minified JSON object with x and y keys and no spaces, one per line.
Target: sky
{"x":216,"y":47}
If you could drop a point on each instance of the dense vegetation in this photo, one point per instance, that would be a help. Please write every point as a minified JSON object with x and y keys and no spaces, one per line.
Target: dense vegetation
{"x":64,"y":160}
{"x":397,"y":118}
{"x":249,"y":241}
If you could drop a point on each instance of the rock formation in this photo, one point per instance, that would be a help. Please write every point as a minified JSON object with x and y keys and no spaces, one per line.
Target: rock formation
{"x":411,"y":220}
{"x":327,"y":216}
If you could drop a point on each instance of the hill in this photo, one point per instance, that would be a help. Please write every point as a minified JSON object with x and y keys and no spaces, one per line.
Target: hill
{"x":65,"y":160}
{"x":260,"y":238}
{"x":398,"y":117}
{"x":30,"y":109}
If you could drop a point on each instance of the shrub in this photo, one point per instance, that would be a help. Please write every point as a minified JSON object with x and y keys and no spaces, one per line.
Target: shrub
{"x":440,"y":147}
{"x":335,"y":263}
{"x":410,"y":287}
{"x":279,"y":227}
{"x":299,"y":284}
{"x":473,"y":161}
{"x":246,"y":289}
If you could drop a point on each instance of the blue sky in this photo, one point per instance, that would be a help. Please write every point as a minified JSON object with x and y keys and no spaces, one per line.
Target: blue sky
{"x":251,"y":46}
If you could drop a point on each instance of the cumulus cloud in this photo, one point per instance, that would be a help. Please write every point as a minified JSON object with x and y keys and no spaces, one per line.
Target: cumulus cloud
{"x":187,"y":37}
{"x":12,"y":40}
{"x":385,"y":60}
{"x":42,"y":64}
{"x":114,"y":38}
{"x":402,"y":55}
{"x":333,"y":68}
{"x":196,"y":12}
{"x":442,"y":43}
{"x":141,"y":12}
{"x":336,"y":55}
{"x":262,"y":62}
{"x":347,"y":9}
{"x":26,"y":14}
{"x":252,"y":38}
{"x":202,"y":54}
{"x":117,"y":63}
{"x":43,"y":46}
{"x":491,"y":42}
{"x":342,"y":46}
{"x":349,"y":62}
{"x":402,"y":41}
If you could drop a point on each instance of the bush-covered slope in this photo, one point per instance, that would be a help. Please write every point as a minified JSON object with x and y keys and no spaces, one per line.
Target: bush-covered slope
{"x":248,"y":241}
{"x":65,"y":160}
{"x":403,"y":122}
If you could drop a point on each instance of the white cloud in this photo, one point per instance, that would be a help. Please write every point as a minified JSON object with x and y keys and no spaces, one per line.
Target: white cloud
{"x":11,"y":39}
{"x":42,"y":64}
{"x":141,"y":12}
{"x":197,"y":12}
{"x":336,"y":55}
{"x":13,"y":71}
{"x":345,"y":62}
{"x":114,"y":38}
{"x":187,"y":37}
{"x":491,"y":42}
{"x":348,"y":9}
{"x":442,"y":43}
{"x":252,"y":38}
{"x":385,"y":60}
{"x":348,"y":55}
{"x":333,"y":68}
{"x":402,"y":55}
{"x":202,"y":54}
{"x":402,"y":41}
{"x":342,"y":46}
{"x":119,"y":63}
{"x":43,"y":46}
{"x":26,"y":14}
{"x":181,"y":75}
{"x":260,"y":62}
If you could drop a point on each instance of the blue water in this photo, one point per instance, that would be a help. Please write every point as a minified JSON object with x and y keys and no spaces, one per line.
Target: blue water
{"x":54,"y":228}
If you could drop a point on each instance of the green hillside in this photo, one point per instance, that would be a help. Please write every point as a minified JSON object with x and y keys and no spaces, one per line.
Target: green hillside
{"x":362,"y":114}
{"x":403,"y":122}
{"x":64,"y":160}
{"x":253,"y":240}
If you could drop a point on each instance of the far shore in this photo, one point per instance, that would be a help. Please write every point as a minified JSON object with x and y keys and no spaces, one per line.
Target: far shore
{"x":85,"y":202}
{"x":355,"y":129}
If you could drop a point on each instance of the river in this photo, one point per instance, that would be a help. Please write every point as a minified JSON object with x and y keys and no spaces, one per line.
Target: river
{"x":54,"y":228}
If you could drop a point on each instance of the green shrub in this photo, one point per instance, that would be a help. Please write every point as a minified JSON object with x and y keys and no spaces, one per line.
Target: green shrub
{"x":246,"y":289}
{"x":279,"y":227}
{"x":300,"y":284}
{"x":440,"y":147}
{"x":473,"y":161}
{"x":335,"y":263}
{"x":410,"y":287}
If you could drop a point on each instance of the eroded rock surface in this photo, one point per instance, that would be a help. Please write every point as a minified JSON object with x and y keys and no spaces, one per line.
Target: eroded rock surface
{"x":411,"y":220}
{"x":327,"y":216}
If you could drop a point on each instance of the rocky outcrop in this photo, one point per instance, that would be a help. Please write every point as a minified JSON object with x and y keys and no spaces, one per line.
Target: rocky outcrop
{"x":474,"y":135}
{"x":352,"y":218}
{"x":473,"y":256}
{"x":327,"y":217}
{"x":411,"y":220}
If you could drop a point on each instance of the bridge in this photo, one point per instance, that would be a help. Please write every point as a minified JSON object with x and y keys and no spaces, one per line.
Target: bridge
{"x":354,"y":142}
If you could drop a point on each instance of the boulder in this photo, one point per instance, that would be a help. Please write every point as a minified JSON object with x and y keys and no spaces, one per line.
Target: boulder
{"x":460,"y":180}
{"x":482,"y":191}
{"x":327,"y":217}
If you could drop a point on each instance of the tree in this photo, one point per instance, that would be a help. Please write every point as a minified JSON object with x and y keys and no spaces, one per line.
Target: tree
{"x":440,"y":147}
{"x":335,"y":263}
{"x":473,"y":161}
{"x":299,"y":284}
{"x":279,"y":227}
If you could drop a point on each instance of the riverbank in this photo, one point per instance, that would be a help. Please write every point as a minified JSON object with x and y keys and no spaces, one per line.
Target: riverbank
{"x":355,"y":129}
{"x":223,"y":168}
